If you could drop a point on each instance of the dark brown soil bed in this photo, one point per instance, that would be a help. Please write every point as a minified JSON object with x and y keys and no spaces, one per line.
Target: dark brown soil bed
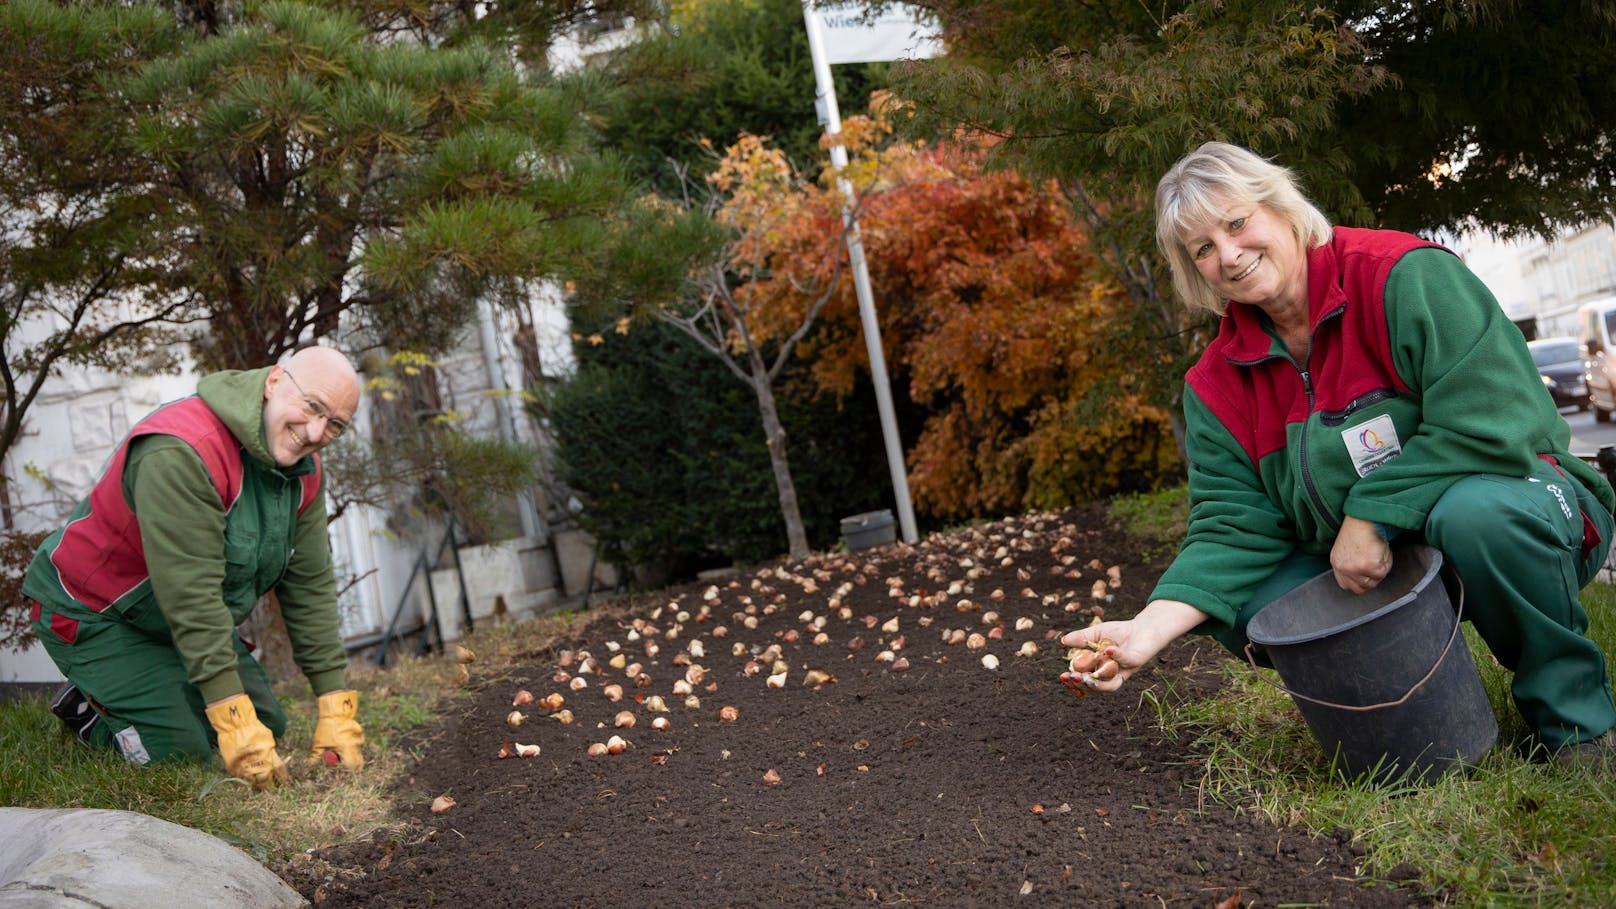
{"x":948,"y":784}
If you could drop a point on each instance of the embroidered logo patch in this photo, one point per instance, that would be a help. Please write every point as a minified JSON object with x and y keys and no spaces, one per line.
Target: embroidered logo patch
{"x":1372,"y":444}
{"x":134,"y":751}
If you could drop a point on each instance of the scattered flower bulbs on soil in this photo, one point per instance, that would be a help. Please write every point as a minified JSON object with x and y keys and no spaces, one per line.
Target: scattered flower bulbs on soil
{"x":782,"y":649}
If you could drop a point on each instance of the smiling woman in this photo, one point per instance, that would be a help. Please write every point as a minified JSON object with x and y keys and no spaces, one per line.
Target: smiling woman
{"x":1339,"y":410}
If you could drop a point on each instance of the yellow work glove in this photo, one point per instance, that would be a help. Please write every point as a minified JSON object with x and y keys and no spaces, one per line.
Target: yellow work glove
{"x":337,"y":732}
{"x":247,"y":746}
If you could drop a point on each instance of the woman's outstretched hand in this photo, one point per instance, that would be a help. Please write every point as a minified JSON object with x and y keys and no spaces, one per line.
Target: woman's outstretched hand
{"x":1103,"y":658}
{"x":1109,"y":653}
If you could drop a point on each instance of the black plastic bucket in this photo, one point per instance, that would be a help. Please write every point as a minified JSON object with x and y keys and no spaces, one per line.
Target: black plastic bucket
{"x":1384,"y":679}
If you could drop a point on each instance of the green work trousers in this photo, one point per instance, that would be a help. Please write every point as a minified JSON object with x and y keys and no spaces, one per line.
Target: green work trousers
{"x":149,"y":709}
{"x":1517,"y":545}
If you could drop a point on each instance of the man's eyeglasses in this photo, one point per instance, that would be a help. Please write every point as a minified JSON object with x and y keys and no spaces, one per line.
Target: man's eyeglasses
{"x":312,"y":408}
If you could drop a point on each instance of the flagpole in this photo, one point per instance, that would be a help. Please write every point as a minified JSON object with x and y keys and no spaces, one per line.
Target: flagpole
{"x":861,"y":275}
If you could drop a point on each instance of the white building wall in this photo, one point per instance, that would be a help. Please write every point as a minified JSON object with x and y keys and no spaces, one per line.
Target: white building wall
{"x":1498,"y":264}
{"x":1546,"y":280}
{"x":572,"y":50}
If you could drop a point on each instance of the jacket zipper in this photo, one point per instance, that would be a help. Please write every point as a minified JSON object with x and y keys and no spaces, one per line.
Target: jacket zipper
{"x":1308,"y":486}
{"x":1340,"y":417}
{"x":286,"y":563}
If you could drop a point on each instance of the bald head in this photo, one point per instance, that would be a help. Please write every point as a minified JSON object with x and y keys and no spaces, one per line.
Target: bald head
{"x":330,"y":371}
{"x":309,"y":400}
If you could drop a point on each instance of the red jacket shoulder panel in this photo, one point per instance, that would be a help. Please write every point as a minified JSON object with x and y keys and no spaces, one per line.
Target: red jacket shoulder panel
{"x":311,"y":485}
{"x":1256,"y":392}
{"x":100,"y":556}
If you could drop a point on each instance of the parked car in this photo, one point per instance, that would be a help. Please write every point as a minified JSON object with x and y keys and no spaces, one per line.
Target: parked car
{"x":1559,"y":362}
{"x":1596,"y":323}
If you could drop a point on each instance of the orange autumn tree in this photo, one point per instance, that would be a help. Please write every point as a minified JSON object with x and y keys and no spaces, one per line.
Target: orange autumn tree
{"x":995,"y":310}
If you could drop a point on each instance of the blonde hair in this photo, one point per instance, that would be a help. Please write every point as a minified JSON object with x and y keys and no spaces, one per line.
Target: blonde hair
{"x":1207,"y":182}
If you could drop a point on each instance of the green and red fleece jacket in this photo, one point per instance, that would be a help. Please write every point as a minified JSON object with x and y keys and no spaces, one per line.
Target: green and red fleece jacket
{"x":1414,"y":378}
{"x":190,"y":525}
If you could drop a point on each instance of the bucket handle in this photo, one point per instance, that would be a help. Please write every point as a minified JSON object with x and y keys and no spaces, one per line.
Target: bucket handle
{"x":1458,"y":619}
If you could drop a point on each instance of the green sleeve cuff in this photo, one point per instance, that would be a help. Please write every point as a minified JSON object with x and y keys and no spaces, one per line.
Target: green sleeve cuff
{"x":1220,"y":614}
{"x":328,"y":680}
{"x":224,"y":685}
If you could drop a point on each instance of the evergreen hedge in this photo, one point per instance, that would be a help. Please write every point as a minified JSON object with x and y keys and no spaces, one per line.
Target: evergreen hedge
{"x":666,"y":450}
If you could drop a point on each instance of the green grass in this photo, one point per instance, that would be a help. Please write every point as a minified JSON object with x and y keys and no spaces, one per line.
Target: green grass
{"x":42,"y":767}
{"x":1512,"y":833}
{"x":1155,"y":518}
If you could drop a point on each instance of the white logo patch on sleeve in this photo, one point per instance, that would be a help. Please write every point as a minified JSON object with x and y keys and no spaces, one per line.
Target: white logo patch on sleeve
{"x":134,"y":751}
{"x":1372,"y":444}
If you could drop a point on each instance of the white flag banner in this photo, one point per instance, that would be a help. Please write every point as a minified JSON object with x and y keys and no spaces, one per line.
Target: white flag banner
{"x":854,"y":36}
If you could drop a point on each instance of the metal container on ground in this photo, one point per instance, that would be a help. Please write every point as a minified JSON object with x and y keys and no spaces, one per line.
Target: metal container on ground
{"x":870,"y":529}
{"x":1384,"y":679}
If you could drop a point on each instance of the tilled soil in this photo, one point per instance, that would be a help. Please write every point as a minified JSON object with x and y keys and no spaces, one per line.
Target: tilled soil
{"x":947,"y":783}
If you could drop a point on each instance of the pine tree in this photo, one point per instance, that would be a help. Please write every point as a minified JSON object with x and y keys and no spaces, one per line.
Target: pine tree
{"x":77,"y":242}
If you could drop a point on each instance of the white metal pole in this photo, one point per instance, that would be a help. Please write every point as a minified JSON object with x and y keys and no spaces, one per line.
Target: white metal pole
{"x":861,"y":277}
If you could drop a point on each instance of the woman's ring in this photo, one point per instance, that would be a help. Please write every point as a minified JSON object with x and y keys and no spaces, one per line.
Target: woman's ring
{"x":1368,"y":580}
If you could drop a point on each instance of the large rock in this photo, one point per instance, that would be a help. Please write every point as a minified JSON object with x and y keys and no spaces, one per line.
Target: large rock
{"x":78,"y":858}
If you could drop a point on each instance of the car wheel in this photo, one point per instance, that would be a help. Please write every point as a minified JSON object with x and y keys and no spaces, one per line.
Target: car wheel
{"x":1601,"y":415}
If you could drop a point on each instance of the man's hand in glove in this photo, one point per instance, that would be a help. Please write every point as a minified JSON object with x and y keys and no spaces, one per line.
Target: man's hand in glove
{"x":337,"y":733}
{"x":247,"y":746}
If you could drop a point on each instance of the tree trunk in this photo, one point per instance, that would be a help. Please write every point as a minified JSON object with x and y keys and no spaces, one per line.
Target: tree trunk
{"x":775,"y":434}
